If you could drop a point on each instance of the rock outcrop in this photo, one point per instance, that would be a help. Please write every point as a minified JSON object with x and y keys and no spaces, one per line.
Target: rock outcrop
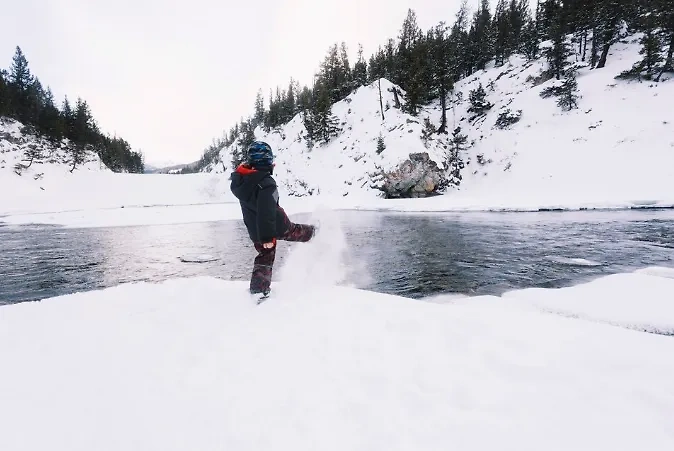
{"x":418,"y":176}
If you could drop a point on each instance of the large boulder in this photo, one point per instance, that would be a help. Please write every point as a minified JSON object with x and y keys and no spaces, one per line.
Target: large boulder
{"x":418,"y":176}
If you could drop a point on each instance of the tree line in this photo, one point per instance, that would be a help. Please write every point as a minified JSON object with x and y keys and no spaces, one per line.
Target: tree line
{"x":24,"y":98}
{"x":427,"y":64}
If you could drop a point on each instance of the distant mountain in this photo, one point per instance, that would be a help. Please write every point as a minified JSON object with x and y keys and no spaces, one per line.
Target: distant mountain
{"x":170,"y":169}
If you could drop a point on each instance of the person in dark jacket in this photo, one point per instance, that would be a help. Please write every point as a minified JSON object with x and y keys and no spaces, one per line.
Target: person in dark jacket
{"x":253,"y":184}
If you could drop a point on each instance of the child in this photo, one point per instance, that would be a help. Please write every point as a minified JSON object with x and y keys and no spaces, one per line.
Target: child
{"x":253,"y":185}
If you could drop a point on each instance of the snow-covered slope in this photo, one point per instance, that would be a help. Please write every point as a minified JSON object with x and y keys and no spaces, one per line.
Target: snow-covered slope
{"x":54,"y":159}
{"x":194,"y":364}
{"x":48,"y":185}
{"x":616,"y":150}
{"x":342,"y":167}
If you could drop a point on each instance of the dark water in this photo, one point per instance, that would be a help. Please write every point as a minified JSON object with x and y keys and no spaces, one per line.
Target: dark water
{"x":413,"y":255}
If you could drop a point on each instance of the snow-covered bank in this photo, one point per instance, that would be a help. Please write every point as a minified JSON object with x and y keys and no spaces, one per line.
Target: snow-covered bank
{"x":47,"y":185}
{"x":641,"y":301}
{"x":95,"y":190}
{"x":194,"y":364}
{"x":207,"y":208}
{"x":615,"y":151}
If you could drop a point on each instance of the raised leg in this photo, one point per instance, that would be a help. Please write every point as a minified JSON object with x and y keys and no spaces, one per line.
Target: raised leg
{"x":299,"y":232}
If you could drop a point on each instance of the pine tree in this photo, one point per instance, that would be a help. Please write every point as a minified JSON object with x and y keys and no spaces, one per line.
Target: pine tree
{"x":333,"y":75}
{"x":233,"y":134}
{"x":289,"y":102}
{"x":360,"y":69}
{"x":502,"y":32}
{"x":664,"y":10}
{"x":381,"y":145}
{"x":322,"y":124}
{"x":568,"y":98}
{"x":20,"y":80}
{"x":4,"y":94}
{"x":377,"y":66}
{"x":530,"y":43}
{"x":581,"y":17}
{"x":453,"y":159}
{"x":309,"y":125}
{"x":558,"y":53}
{"x":34,"y":103}
{"x":482,"y":40}
{"x":443,"y":72}
{"x":410,"y":34}
{"x":259,"y":108}
{"x":478,"y":101}
{"x":82,"y":124}
{"x":304,"y":99}
{"x":278,"y":103}
{"x":390,"y":63}
{"x":651,"y":47}
{"x":31,"y":153}
{"x":50,"y":121}
{"x":68,"y":119}
{"x":20,"y":76}
{"x":428,"y":131}
{"x":612,"y":13}
{"x":423,"y":64}
{"x":459,"y":44}
{"x":238,"y":155}
{"x":649,"y":23}
{"x":411,"y":58}
{"x":520,"y":14}
{"x":247,"y":134}
{"x":77,"y":156}
{"x":346,"y":76}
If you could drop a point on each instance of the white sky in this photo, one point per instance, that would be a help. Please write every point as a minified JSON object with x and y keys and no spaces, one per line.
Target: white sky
{"x":169,"y":76}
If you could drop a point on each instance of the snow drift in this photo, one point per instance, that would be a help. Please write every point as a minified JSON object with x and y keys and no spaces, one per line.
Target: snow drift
{"x":195,"y":364}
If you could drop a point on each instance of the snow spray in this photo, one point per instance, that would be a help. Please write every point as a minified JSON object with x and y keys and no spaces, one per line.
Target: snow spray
{"x":325,"y":259}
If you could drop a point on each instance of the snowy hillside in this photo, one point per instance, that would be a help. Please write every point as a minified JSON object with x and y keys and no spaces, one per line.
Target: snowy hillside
{"x":48,"y":186}
{"x":195,"y":364}
{"x":616,"y":150}
{"x":342,"y":167}
{"x":50,"y":159}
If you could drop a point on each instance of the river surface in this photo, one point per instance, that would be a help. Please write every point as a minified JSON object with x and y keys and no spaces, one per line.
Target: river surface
{"x":413,"y":255}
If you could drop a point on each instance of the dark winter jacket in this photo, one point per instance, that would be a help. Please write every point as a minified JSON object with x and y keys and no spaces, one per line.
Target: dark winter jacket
{"x":258,"y":196}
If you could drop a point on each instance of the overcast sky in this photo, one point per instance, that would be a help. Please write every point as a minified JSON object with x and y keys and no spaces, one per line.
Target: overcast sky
{"x":169,"y":76}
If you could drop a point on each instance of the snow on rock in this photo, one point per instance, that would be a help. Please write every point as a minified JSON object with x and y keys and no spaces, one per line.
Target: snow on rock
{"x":418,"y":176}
{"x":195,"y":364}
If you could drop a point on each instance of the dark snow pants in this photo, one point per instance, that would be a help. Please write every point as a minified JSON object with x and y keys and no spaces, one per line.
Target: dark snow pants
{"x":264,"y":262}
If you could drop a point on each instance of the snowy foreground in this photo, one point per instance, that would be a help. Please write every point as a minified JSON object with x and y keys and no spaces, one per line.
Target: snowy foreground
{"x":194,"y":364}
